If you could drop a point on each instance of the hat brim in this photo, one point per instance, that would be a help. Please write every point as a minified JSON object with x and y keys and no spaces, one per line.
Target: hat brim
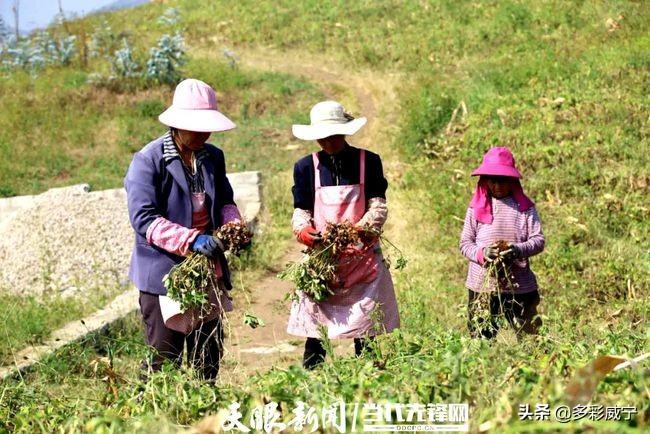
{"x":320,"y":131}
{"x":496,"y":170}
{"x":202,"y":121}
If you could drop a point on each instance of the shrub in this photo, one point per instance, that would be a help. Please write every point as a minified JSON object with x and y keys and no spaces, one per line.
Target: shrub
{"x":170,"y":17}
{"x":165,"y":59}
{"x":104,"y":41}
{"x":38,"y":52}
{"x":123,"y":64}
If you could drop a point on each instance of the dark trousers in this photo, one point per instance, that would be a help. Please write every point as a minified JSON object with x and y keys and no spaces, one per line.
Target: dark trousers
{"x":520,"y":310}
{"x":315,"y":352}
{"x":204,"y":345}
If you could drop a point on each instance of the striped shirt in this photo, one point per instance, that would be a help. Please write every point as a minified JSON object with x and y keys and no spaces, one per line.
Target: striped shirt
{"x":194,"y":176}
{"x":524,"y":229}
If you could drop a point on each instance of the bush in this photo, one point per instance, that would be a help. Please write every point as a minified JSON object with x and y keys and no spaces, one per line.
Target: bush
{"x":38,"y":52}
{"x":122,"y":62}
{"x":170,"y":17}
{"x":165,"y":59}
{"x":104,"y":41}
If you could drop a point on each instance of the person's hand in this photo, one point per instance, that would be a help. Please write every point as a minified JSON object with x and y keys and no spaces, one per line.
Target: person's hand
{"x":247,"y":244}
{"x":368,"y":235}
{"x":309,"y":236}
{"x":244,"y":246}
{"x":490,"y":253}
{"x":206,"y":245}
{"x":511,"y":253}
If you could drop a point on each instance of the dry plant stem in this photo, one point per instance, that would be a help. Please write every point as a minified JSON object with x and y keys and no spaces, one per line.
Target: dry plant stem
{"x":498,"y":279}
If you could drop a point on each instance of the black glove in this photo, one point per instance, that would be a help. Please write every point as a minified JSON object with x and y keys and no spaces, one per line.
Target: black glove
{"x":512,"y":253}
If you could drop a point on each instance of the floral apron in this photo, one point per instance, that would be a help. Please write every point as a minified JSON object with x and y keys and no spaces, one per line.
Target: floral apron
{"x":364,"y":303}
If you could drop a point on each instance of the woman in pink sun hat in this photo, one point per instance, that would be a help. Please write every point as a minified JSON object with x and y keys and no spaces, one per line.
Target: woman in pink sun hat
{"x":500,"y":212}
{"x":178,"y":193}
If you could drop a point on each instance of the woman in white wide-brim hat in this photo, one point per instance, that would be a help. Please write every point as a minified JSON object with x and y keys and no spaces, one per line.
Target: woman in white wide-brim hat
{"x":341,"y":183}
{"x":178,"y":193}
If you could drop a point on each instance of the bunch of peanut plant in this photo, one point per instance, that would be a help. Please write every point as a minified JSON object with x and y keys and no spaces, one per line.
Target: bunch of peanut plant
{"x":190,"y":282}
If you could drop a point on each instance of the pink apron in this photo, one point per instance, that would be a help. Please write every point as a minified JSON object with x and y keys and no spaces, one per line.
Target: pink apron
{"x":364,"y":303}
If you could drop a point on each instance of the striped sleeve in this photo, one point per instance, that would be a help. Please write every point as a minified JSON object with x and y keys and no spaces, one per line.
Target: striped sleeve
{"x":468,"y":246}
{"x":535,"y":242}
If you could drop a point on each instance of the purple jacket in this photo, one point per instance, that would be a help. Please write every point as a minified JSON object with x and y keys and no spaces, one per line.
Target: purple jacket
{"x":156,"y":188}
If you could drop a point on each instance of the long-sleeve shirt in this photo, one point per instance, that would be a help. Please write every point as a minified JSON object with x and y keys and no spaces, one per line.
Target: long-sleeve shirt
{"x":523,"y":229}
{"x":176,"y":238}
{"x":339,"y":169}
{"x":156,"y":188}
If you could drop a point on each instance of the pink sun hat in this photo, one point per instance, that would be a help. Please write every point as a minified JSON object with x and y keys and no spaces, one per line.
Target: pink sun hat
{"x":498,"y":161}
{"x":194,"y":108}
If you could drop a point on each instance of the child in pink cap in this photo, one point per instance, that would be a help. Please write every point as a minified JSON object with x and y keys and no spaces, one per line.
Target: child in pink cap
{"x":500,"y":211}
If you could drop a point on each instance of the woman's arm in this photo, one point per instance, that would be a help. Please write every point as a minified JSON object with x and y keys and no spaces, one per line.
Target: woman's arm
{"x":375,"y":192}
{"x":468,"y":245}
{"x":301,"y":218}
{"x":146,"y":219}
{"x":376,"y":214}
{"x":229,"y":211}
{"x":303,"y":201}
{"x":171,"y":236}
{"x":139,"y":183}
{"x":535,"y":242}
{"x":303,"y":188}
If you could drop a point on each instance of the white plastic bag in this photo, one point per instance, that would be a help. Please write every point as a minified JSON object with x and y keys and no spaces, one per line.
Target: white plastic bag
{"x":188,"y":321}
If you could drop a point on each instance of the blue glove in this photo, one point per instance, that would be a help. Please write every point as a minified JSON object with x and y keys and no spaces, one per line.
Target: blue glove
{"x":513,"y":252}
{"x":206,"y":245}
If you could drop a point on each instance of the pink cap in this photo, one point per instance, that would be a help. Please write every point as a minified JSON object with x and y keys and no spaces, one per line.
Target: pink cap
{"x":194,"y":108}
{"x":498,"y":161}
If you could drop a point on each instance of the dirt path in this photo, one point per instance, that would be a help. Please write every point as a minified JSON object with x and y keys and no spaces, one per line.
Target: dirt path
{"x":364,"y":92}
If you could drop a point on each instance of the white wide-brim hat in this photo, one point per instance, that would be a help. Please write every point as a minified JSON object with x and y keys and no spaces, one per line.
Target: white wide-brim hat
{"x":194,"y":108}
{"x":328,"y":118}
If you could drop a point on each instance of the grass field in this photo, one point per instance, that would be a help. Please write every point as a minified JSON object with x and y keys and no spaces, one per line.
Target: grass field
{"x":564,"y":84}
{"x":104,"y":129}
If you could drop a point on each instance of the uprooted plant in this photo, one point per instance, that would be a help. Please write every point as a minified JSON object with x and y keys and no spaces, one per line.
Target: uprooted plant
{"x":190,"y":281}
{"x":498,"y":279}
{"x":312,"y":275}
{"x":316,"y":274}
{"x":235,"y":237}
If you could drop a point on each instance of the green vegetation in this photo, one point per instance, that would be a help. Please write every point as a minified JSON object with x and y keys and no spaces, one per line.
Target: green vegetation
{"x":564,"y":84}
{"x":27,"y":320}
{"x":103,"y":128}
